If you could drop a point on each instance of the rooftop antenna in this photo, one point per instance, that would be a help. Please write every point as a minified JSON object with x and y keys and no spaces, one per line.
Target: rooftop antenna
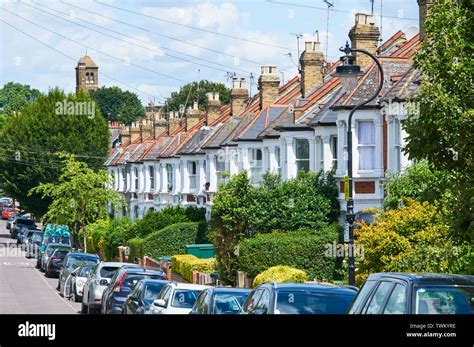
{"x":381,"y":20}
{"x":298,"y":37}
{"x":289,"y":55}
{"x":329,"y":3}
{"x":372,"y":7}
{"x":251,"y":81}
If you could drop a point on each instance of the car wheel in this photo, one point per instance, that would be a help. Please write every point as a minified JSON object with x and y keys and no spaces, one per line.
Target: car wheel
{"x":91,"y":310}
{"x":46,"y":273}
{"x":84,"y":308}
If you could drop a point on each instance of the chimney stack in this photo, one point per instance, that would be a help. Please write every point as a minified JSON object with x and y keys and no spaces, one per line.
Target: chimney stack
{"x":423,"y":6}
{"x":213,"y":107}
{"x":145,"y":129}
{"x":135,"y":132}
{"x":173,"y":122}
{"x":268,"y":84}
{"x":312,"y":66}
{"x":238,"y":96}
{"x":364,"y":35}
{"x":125,"y":135}
{"x":192,"y":116}
{"x":159,"y":124}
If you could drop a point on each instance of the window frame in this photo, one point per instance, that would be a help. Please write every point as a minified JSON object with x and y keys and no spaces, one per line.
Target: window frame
{"x":371,"y":146}
{"x":298,"y":160}
{"x":256,"y":165}
{"x":192,"y":174}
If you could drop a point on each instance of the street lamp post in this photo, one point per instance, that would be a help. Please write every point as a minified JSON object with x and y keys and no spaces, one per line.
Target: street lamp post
{"x":348,"y":73}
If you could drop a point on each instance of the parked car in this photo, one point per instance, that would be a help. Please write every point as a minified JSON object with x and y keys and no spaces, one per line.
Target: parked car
{"x":95,"y":285}
{"x":79,"y":277}
{"x":10,"y":222}
{"x":19,"y":223}
{"x":298,"y":298}
{"x":216,"y":300}
{"x":142,"y":296}
{"x":55,"y":261}
{"x":24,"y":232}
{"x":52,"y":234}
{"x":121,"y":285}
{"x":8,"y":212}
{"x":32,"y":243}
{"x":49,"y":252}
{"x":73,"y":261}
{"x":404,"y":293}
{"x":176,"y":298}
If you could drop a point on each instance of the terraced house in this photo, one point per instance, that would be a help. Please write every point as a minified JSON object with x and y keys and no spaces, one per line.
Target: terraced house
{"x":285,"y":128}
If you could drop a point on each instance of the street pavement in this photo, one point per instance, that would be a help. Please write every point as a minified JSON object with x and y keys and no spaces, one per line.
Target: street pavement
{"x":23,"y":288}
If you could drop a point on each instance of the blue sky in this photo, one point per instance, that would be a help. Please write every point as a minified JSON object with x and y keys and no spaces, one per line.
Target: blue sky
{"x":182,"y":45}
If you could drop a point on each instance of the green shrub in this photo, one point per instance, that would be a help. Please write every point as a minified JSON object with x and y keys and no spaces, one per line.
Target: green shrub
{"x":154,"y":221}
{"x":173,"y":239}
{"x":302,"y":249}
{"x":281,"y":274}
{"x":185,"y":264}
{"x":136,"y":248}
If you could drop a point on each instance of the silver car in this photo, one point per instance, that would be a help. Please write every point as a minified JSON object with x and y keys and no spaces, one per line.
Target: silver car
{"x":95,"y":285}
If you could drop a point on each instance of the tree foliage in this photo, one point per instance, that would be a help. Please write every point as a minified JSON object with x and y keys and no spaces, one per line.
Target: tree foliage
{"x":15,"y":96}
{"x":196,"y":91}
{"x":412,"y":238}
{"x":30,"y":140}
{"x":118,"y":105}
{"x":419,"y":182}
{"x":81,"y":196}
{"x":442,"y":131}
{"x":240,"y":211}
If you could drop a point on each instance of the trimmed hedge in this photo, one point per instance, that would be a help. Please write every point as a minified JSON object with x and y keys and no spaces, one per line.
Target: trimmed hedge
{"x":136,"y":248}
{"x":170,"y":240}
{"x":301,"y":249}
{"x":280,"y":274}
{"x":185,"y":264}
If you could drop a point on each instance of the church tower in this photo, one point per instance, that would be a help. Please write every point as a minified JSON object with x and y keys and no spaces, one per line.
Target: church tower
{"x":87,"y":74}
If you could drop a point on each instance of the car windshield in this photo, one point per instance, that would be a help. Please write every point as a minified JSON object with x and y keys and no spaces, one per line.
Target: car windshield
{"x":37,"y":237}
{"x":444,"y":300}
{"x":61,"y":253}
{"x":26,"y":222}
{"x":108,"y":271}
{"x":229,"y":303}
{"x":131,"y":279}
{"x":77,"y":260}
{"x":312,"y":302}
{"x":184,"y":298}
{"x":59,"y":239}
{"x":50,"y":250}
{"x":151,"y":292}
{"x":85,"y":271}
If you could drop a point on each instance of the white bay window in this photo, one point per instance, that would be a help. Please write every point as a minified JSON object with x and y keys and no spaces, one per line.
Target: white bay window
{"x":366,"y":145}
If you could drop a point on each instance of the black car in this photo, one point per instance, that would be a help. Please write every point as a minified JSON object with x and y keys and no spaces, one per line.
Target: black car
{"x":404,"y":293}
{"x":216,"y":300}
{"x":55,"y":262}
{"x":299,"y":298}
{"x":142,"y":296}
{"x":121,"y":285}
{"x":72,"y":262}
{"x":20,"y":223}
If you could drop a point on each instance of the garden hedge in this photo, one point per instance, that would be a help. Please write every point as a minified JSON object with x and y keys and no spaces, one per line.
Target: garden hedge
{"x":185,"y":264}
{"x":301,"y":249}
{"x":280,"y":274}
{"x":170,"y":240}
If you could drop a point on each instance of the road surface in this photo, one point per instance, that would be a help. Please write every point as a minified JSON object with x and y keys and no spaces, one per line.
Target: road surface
{"x":23,"y":288}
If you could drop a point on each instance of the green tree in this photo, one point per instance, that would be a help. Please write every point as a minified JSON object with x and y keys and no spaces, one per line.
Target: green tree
{"x":118,"y":105}
{"x":197,"y":91}
{"x":15,"y":96}
{"x":442,"y":131}
{"x":81,"y":196}
{"x":31,"y":139}
{"x":419,"y":182}
{"x":412,"y":238}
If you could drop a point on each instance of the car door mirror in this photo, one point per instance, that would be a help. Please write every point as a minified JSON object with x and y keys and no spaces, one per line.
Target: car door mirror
{"x":259,"y":311}
{"x":73,"y":274}
{"x":133,"y":298}
{"x":103,"y":282}
{"x":159,"y":302}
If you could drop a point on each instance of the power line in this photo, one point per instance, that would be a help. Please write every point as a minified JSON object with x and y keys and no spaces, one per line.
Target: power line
{"x":195,"y":28}
{"x":325,"y":9}
{"x":69,"y":57}
{"x":165,"y":36}
{"x":101,"y":52}
{"x":135,"y":44}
